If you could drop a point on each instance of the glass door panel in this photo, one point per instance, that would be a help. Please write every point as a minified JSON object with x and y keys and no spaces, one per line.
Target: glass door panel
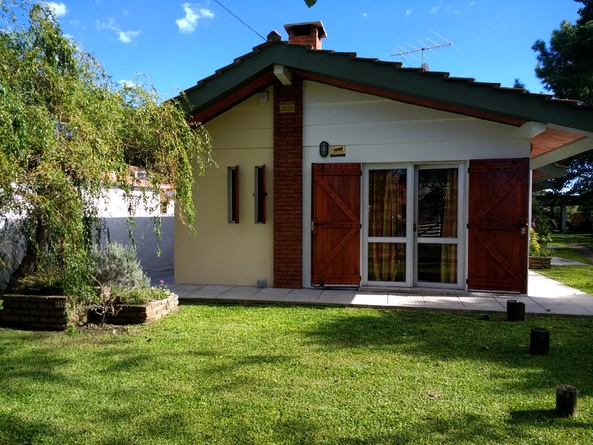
{"x":437,"y":263}
{"x":387,"y":218}
{"x":387,"y":203}
{"x":387,"y":262}
{"x":437,"y":203}
{"x":437,"y":225}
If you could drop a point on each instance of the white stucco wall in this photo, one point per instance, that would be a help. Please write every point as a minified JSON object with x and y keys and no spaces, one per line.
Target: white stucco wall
{"x":115,"y":205}
{"x":376,"y":130}
{"x":222,"y":252}
{"x":114,"y":213}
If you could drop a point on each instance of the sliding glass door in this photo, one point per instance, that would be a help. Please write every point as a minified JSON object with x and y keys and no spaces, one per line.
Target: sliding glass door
{"x":412,"y":236}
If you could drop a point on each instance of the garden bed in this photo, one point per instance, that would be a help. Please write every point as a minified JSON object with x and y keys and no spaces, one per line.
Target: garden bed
{"x":540,"y":262}
{"x":48,"y":313}
{"x":138,"y":313}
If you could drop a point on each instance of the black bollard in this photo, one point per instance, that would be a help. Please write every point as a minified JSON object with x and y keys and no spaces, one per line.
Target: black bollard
{"x":566,"y":400}
{"x":540,"y":341}
{"x":515,"y":310}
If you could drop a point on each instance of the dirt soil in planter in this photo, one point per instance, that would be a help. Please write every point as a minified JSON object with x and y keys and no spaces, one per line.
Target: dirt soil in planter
{"x":103,"y":329}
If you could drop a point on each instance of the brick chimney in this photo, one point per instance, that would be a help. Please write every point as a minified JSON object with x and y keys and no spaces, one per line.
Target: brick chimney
{"x":308,"y":33}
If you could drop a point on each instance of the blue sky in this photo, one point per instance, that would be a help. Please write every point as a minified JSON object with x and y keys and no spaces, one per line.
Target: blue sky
{"x":177,"y":43}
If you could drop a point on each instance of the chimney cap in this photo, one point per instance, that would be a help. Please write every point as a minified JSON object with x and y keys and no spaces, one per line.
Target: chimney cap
{"x":320,"y":29}
{"x":274,"y":36}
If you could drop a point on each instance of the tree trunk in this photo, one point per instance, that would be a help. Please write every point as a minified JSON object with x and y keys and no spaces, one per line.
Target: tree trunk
{"x":34,"y":255}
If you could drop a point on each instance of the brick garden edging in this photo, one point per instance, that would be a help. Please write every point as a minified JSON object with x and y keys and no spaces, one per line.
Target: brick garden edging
{"x":35,"y":312}
{"x":140,"y":313}
{"x":48,"y":313}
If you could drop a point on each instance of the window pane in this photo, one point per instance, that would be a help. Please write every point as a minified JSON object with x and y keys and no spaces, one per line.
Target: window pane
{"x":233,"y":194}
{"x":437,"y":263}
{"x":437,"y":203}
{"x":260,"y":194}
{"x":387,"y":203}
{"x":387,"y":262}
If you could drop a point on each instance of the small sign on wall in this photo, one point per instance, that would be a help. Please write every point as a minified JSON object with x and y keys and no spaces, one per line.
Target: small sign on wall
{"x":337,"y":151}
{"x":286,"y":107}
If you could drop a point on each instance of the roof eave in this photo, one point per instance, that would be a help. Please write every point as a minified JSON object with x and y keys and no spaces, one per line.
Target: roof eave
{"x":435,"y":90}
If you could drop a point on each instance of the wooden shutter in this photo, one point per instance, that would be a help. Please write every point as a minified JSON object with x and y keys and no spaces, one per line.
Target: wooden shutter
{"x":336,"y":224}
{"x":498,"y":225}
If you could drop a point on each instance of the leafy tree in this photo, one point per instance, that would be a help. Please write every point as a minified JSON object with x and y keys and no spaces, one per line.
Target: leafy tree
{"x":578,"y":180}
{"x":518,"y":84}
{"x":565,"y":67}
{"x":67,"y":134}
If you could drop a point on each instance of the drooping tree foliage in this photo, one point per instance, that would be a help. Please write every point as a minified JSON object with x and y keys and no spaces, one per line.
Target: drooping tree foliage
{"x":565,"y":67}
{"x":69,"y":133}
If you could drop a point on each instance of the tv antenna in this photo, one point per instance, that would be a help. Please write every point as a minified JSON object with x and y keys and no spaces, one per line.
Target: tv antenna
{"x":432,"y":46}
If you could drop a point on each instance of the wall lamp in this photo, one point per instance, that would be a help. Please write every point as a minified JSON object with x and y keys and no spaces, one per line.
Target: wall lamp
{"x":324,"y":149}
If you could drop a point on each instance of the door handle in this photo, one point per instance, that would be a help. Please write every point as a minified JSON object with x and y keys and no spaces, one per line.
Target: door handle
{"x":523,"y":228}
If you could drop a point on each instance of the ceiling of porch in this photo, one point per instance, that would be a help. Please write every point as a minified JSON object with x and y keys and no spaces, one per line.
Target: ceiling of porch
{"x":551,"y":147}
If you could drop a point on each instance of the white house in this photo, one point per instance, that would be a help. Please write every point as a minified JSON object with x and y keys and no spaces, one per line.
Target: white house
{"x":340,"y":171}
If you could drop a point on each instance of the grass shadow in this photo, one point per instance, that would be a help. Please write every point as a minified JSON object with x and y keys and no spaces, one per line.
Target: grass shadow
{"x":18,"y":429}
{"x":445,"y":337}
{"x":532,"y":416}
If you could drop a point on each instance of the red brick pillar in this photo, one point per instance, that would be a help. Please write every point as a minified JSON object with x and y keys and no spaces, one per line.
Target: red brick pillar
{"x":288,"y":184}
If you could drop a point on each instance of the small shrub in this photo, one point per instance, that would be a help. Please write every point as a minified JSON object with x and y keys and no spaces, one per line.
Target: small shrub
{"x":117,"y":272}
{"x":78,"y":313}
{"x":538,"y":244}
{"x":117,"y":266}
{"x":143,"y":295}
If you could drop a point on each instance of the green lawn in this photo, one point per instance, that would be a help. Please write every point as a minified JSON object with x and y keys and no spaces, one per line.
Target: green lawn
{"x":294,"y":375}
{"x":580,"y":277}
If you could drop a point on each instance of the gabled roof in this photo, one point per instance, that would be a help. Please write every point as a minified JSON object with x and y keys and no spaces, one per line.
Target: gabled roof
{"x":565,"y":122}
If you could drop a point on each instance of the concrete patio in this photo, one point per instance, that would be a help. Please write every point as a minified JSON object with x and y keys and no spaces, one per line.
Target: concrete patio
{"x":545,"y":296}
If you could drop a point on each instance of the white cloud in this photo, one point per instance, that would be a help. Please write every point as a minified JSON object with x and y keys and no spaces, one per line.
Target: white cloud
{"x":435,"y":10}
{"x":365,"y":15}
{"x":206,"y":13}
{"x":408,"y":11}
{"x":123,"y":36}
{"x":59,"y":9}
{"x":111,"y":25}
{"x":193,"y":13}
{"x":127,"y":36}
{"x":128,"y":83}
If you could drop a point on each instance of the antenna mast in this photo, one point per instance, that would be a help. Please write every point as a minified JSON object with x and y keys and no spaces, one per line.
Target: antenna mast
{"x":422,"y":49}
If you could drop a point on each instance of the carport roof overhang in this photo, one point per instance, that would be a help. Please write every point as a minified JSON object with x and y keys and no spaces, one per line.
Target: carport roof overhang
{"x":558,"y":128}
